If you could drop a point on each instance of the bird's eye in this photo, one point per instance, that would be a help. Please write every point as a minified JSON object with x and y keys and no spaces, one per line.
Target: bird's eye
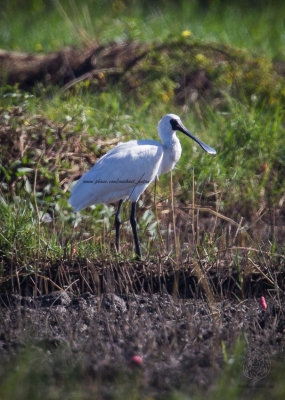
{"x":174,"y":124}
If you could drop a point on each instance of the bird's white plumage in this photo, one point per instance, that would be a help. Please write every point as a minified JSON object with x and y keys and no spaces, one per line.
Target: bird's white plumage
{"x":126,"y":170}
{"x":123,"y":173}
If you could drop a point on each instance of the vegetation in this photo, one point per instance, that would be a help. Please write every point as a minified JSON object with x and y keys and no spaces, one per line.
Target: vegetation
{"x":221,"y":68}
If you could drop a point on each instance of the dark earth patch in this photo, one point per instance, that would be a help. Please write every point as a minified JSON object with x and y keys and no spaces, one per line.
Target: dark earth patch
{"x":182,"y":341}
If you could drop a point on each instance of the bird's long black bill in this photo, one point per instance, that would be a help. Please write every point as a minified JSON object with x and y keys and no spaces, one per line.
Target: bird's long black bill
{"x":204,"y":146}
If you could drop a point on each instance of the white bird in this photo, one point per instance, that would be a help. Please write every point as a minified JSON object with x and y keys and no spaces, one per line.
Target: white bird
{"x":124,"y":172}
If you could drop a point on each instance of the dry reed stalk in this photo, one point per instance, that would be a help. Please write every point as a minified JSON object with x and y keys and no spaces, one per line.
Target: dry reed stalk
{"x":176,"y":244}
{"x":156,"y":217}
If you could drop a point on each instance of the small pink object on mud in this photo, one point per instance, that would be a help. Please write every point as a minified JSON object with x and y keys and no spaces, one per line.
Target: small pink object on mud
{"x":137,"y":360}
{"x":74,"y":250}
{"x":264,"y":166}
{"x":263,"y":303}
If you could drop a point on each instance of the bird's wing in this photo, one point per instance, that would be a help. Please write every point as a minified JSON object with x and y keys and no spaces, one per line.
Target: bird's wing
{"x":129,"y":167}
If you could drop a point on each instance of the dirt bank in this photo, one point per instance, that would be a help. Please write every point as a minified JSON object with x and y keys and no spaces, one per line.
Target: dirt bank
{"x":183,"y":342}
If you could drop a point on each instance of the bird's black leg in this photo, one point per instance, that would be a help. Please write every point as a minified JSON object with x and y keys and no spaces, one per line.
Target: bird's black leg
{"x":133,"y":221}
{"x":118,"y":223}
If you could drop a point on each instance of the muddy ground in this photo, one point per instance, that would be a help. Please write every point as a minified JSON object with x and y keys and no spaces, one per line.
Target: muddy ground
{"x":184,"y":343}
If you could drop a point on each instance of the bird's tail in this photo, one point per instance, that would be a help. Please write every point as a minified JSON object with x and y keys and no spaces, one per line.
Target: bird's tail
{"x":81,"y":198}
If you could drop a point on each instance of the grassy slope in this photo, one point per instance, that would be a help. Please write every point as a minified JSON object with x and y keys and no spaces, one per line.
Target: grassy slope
{"x":257,"y":27}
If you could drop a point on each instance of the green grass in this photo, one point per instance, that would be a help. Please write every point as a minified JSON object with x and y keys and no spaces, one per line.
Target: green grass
{"x":46,"y":26}
{"x":243,"y":180}
{"x":56,"y":375}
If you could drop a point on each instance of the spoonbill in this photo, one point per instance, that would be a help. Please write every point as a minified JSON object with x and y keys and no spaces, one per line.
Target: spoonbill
{"x":125,"y":172}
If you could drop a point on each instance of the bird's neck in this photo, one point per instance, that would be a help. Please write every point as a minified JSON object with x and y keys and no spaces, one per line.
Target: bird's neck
{"x":172,"y":153}
{"x":171,"y":141}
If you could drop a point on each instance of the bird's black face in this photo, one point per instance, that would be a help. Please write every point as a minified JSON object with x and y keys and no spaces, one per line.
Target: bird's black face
{"x":178,"y":126}
{"x":174,"y":124}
